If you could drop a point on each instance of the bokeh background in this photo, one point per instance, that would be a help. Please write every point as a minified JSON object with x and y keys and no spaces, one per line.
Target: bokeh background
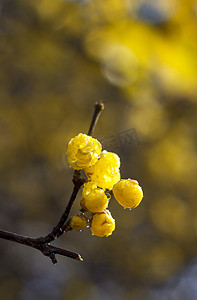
{"x":56,"y":59}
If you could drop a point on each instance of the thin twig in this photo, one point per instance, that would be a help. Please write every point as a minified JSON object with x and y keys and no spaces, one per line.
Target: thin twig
{"x":97,"y":111}
{"x":21,"y":239}
{"x":43,"y":243}
{"x":40,"y":244}
{"x":58,"y":229}
{"x":63,"y":225}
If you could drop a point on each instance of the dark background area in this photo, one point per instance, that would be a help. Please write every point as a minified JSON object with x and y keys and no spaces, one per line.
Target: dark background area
{"x":57,"y":58}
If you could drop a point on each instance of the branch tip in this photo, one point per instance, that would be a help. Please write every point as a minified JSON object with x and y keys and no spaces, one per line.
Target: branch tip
{"x":99,"y":106}
{"x":80,"y":258}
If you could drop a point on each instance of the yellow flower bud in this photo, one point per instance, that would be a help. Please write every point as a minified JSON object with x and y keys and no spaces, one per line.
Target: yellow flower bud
{"x":83,"y":151}
{"x":94,"y":200}
{"x":105,"y":172}
{"x":128,"y":193}
{"x":102,"y":223}
{"x":78,"y":221}
{"x":88,"y":186}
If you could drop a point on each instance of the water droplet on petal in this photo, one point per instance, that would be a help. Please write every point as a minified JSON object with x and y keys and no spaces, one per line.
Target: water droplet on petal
{"x":92,"y":233}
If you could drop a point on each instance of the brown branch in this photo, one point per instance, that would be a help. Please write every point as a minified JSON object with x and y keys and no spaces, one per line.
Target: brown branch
{"x":62,"y":225}
{"x":43,"y":243}
{"x":99,"y":107}
{"x":58,"y":230}
{"x":40,"y":244}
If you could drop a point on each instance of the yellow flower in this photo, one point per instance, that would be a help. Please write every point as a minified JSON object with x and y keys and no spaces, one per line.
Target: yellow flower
{"x":128,"y":193}
{"x":102,"y":223}
{"x":78,"y":221}
{"x":83,"y":151}
{"x":105,"y":173}
{"x":93,"y":198}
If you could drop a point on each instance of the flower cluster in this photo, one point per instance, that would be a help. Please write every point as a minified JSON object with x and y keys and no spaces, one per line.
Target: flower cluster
{"x":102,"y":169}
